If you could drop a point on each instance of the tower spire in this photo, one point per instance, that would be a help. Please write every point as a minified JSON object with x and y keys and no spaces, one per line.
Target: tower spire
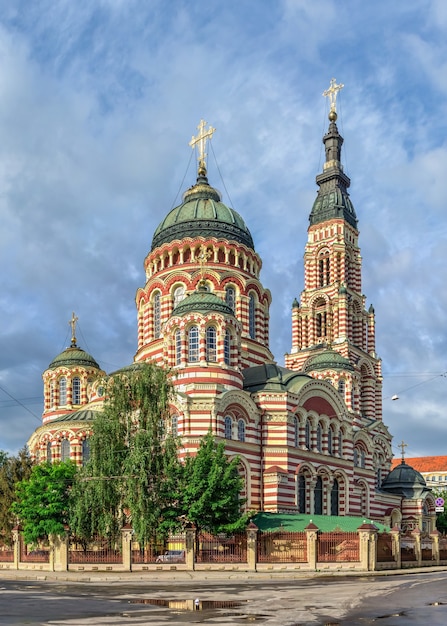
{"x":333,"y":201}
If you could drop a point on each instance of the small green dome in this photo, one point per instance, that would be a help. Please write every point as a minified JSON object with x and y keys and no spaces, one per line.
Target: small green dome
{"x":333,"y":203}
{"x":72,"y":357}
{"x":405,"y":481}
{"x":202,"y":214}
{"x":202,"y":301}
{"x":328,"y":360}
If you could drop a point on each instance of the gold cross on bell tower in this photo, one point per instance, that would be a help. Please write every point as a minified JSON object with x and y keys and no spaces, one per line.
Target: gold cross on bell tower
{"x":332,"y":92}
{"x":72,"y":323}
{"x":201,"y":140}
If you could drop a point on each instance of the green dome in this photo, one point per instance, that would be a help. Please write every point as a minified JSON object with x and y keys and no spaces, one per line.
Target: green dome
{"x":202,"y":214}
{"x":202,"y":301}
{"x":83,"y":415}
{"x":405,"y":481}
{"x":328,"y":360}
{"x":73,"y":356}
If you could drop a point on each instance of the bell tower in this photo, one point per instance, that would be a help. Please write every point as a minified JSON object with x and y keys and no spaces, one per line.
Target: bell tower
{"x":331,"y":315}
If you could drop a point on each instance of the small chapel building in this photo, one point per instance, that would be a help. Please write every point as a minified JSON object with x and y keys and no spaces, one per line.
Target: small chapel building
{"x":309,"y":435}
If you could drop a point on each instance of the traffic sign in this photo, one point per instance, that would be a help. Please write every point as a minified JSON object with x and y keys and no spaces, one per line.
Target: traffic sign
{"x":439,"y":501}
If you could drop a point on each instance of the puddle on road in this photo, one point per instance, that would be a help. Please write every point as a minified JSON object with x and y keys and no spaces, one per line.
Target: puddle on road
{"x":188,"y":605}
{"x":183,"y":606}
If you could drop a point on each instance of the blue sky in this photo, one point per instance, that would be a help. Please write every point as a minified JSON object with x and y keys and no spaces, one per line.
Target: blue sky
{"x":98,"y":101}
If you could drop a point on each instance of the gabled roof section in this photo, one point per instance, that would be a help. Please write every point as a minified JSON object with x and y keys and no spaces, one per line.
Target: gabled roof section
{"x":425,"y":463}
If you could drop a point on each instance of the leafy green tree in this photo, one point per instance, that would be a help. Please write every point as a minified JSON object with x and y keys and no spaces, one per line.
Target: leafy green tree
{"x":42,"y":500}
{"x":12,"y":470}
{"x":133,"y":464}
{"x":441,"y":518}
{"x":211,"y":492}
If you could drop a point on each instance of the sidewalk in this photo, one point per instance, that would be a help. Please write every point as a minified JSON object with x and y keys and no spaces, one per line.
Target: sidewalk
{"x":203,"y":576}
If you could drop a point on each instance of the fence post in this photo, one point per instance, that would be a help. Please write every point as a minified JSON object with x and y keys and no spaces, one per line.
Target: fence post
{"x":435,"y":546}
{"x":126,"y":543}
{"x":59,"y":552}
{"x":395,"y":535}
{"x":368,"y":546}
{"x":190,"y":540}
{"x":417,"y":544}
{"x":312,"y":537}
{"x":17,"y":538}
{"x":252,"y":546}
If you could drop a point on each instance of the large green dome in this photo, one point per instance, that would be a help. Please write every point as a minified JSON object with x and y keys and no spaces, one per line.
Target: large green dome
{"x":202,"y":214}
{"x":73,"y":356}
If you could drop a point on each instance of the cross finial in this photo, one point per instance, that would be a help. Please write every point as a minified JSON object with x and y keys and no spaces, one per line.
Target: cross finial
{"x":402,"y":446}
{"x":201,"y":138}
{"x":72,"y":323}
{"x":332,"y":92}
{"x":202,"y":257}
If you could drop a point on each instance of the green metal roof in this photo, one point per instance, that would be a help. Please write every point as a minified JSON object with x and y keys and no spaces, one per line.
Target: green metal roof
{"x":272,"y":377}
{"x":297,"y":522}
{"x":83,"y":415}
{"x":328,"y":360}
{"x":202,"y":214}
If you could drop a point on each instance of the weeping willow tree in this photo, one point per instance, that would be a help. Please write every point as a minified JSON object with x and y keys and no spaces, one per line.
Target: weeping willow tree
{"x":133,"y":470}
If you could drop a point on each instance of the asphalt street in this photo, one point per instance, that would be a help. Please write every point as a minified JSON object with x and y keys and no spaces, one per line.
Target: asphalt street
{"x":354,"y":600}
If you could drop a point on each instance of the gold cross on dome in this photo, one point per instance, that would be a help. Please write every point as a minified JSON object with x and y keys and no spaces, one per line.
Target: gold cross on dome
{"x":72,"y":323}
{"x":332,"y":92}
{"x":402,"y":446}
{"x":201,"y":139}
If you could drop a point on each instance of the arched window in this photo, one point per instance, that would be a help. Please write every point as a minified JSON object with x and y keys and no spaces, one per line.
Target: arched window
{"x":356,"y":457}
{"x":335,"y":497}
{"x":227,"y":347}
{"x":362,"y":457}
{"x":228,"y":427}
{"x":321,"y":324}
{"x":211,"y":348}
{"x":178,"y":347}
{"x":85,"y":451}
{"x":230,"y":298}
{"x":340,"y":443}
{"x":65,"y":450}
{"x":307,"y":438}
{"x":62,"y":391}
{"x":49,"y":452}
{"x":76,"y":390}
{"x":174,"y":425}
{"x":296,"y":426}
{"x":52,"y":394}
{"x":342,"y":387}
{"x":318,"y":497}
{"x":251,"y":317}
{"x":301,"y":493}
{"x":379,"y":477}
{"x":193,"y":344}
{"x":319,"y":437}
{"x":330,"y":441}
{"x":157,"y":314}
{"x":241,"y":430}
{"x":179,"y":295}
{"x":324,"y":274}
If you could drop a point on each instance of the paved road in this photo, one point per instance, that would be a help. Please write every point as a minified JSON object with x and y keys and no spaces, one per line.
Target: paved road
{"x":350,"y":601}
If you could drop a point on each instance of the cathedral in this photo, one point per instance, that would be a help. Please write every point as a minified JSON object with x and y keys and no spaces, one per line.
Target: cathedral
{"x":309,"y":435}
